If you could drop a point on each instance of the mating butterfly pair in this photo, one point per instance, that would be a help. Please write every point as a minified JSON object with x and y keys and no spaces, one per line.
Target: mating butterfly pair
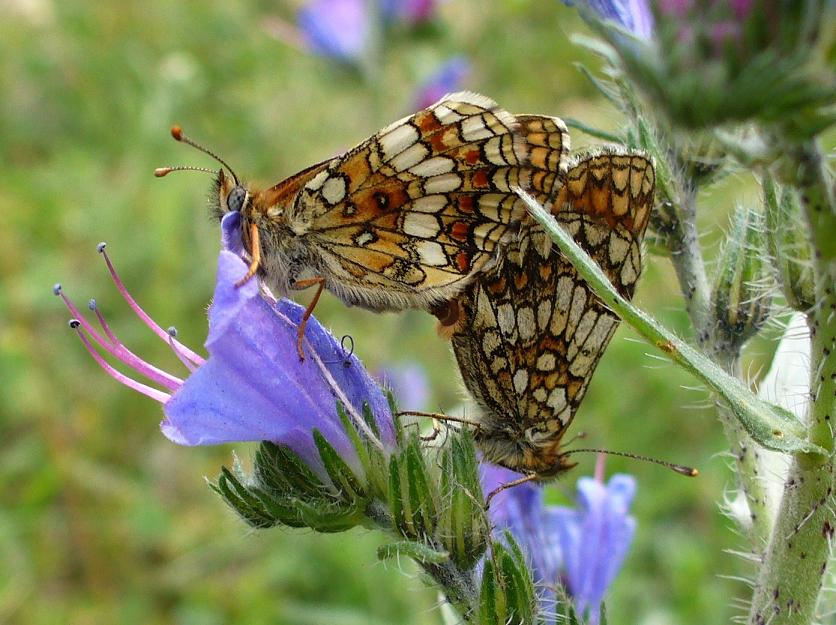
{"x":423,"y":215}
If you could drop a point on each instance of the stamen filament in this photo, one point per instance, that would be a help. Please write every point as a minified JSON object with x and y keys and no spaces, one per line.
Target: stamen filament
{"x":172,"y":332}
{"x":115,"y":348}
{"x":195,"y":358}
{"x":92,"y":306}
{"x":146,"y":390}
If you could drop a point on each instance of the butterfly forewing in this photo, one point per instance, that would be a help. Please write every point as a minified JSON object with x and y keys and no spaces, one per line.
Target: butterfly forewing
{"x":408,"y":216}
{"x":528,"y":334}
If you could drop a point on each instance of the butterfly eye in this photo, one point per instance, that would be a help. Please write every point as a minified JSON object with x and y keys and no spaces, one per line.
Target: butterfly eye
{"x":235,"y":199}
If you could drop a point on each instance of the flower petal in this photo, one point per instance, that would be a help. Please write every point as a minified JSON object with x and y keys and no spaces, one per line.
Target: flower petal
{"x":254,"y":386}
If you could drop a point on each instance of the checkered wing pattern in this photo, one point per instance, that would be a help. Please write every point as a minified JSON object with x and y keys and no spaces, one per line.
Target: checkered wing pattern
{"x":528,"y":334}
{"x":408,"y":216}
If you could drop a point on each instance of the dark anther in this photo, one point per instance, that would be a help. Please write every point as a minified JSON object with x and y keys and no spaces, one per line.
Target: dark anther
{"x":74,"y":323}
{"x":172,"y":332}
{"x":56,"y":288}
{"x":92,"y":304}
{"x":100,"y":247}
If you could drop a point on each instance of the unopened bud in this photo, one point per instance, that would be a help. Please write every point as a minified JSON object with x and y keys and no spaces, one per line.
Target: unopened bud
{"x":788,"y":245}
{"x":742,"y":293}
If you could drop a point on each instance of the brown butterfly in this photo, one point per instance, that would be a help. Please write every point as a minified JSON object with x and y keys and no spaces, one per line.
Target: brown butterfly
{"x":403,"y":220}
{"x":528,"y":333}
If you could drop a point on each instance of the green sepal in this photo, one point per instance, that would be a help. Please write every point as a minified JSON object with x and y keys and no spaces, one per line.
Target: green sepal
{"x":419,"y":552}
{"x":463,"y":525}
{"x":371,"y":457}
{"x":278,"y":469}
{"x":421,"y":498}
{"x":244,"y":503}
{"x":396,"y":502}
{"x":507,"y":595}
{"x":349,"y":486}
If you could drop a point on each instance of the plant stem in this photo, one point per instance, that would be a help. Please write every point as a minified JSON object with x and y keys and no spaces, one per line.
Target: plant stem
{"x":751,"y":467}
{"x":790,"y":580}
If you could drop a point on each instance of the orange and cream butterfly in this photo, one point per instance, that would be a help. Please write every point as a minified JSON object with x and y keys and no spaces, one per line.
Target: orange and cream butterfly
{"x":528,"y":334}
{"x":403,"y":220}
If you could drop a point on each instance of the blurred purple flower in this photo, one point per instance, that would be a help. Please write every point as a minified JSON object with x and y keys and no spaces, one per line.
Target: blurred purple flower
{"x":408,"y":383}
{"x":447,"y":78}
{"x":253,"y":387}
{"x":594,"y":538}
{"x":633,"y":15}
{"x":582,"y":548}
{"x":338,"y":29}
{"x":412,"y":11}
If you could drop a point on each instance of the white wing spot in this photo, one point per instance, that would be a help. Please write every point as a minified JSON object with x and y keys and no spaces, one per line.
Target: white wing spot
{"x":333,"y":190}
{"x":520,"y":381}
{"x":397,"y":140}
{"x":433,"y":167}
{"x":411,"y":156}
{"x":420,"y":225}
{"x":546,"y":362}
{"x":442,"y":184}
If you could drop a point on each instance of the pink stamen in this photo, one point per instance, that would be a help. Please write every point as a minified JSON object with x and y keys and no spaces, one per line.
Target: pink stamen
{"x":195,"y":358}
{"x":92,"y":306}
{"x":117,"y":349}
{"x":149,"y":391}
{"x":172,"y":332}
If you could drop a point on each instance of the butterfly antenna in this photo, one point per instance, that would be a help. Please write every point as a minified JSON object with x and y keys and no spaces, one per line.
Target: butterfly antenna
{"x":178,"y":135}
{"x":164,"y":171}
{"x":678,"y":468}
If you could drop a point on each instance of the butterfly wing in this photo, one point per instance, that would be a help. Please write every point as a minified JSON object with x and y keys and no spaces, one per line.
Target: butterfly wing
{"x":406,"y":217}
{"x":532,"y":331}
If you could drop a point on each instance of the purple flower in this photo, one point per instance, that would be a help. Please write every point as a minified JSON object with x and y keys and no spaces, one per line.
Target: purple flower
{"x":581,"y":547}
{"x":408,"y":384}
{"x":412,"y":11}
{"x":633,"y":15}
{"x":445,"y":79}
{"x":338,"y":29}
{"x":253,"y":387}
{"x":594,"y":538}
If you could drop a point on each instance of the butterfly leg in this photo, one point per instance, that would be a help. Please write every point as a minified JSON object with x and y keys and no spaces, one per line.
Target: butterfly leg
{"x":435,"y":416}
{"x":522,"y":480}
{"x":300,"y":331}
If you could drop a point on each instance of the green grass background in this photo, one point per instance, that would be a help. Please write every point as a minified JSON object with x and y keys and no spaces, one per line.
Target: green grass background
{"x":102,"y":520}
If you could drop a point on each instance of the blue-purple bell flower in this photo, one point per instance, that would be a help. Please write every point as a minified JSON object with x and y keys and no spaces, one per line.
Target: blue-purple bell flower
{"x":582,"y":548}
{"x":253,"y":386}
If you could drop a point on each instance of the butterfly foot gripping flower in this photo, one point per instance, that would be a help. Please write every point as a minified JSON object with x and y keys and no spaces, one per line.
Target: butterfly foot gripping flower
{"x":325,"y":421}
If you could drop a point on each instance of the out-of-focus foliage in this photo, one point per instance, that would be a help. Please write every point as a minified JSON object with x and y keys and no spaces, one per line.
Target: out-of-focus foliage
{"x":104,"y":520}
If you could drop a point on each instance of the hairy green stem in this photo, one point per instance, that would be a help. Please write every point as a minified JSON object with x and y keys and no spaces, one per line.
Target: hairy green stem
{"x":790,"y":580}
{"x":772,"y":426}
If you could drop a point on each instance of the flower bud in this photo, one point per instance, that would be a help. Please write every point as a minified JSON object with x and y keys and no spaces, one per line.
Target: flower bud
{"x":507,"y":594}
{"x":788,"y":246}
{"x":742,"y":292}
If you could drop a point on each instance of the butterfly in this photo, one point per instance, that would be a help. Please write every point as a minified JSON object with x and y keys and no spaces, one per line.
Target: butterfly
{"x":528,"y":334}
{"x":403,"y":220}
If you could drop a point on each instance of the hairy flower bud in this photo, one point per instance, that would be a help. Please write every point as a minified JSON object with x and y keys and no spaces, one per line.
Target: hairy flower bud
{"x":741,"y":297}
{"x":788,"y":245}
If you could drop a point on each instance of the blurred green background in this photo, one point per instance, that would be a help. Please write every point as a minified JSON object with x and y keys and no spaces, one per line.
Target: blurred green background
{"x":102,"y":520}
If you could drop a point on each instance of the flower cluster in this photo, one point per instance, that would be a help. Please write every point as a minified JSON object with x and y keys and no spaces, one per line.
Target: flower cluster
{"x":582,"y":548}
